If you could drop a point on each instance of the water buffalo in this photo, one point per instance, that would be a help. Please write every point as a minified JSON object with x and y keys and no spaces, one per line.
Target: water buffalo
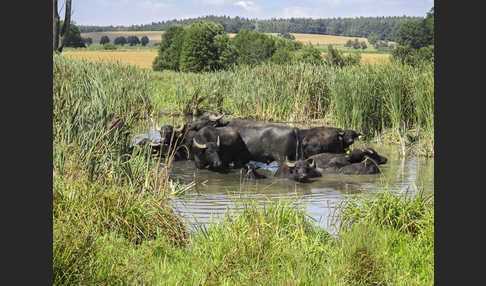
{"x":249,"y":171}
{"x":267,"y":142}
{"x":326,"y":140}
{"x":219,"y":148}
{"x":353,"y":162}
{"x":188,"y":130}
{"x":300,"y":170}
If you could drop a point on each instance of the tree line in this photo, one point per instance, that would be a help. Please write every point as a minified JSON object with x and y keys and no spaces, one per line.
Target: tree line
{"x":382,"y":28}
{"x":205,"y":47}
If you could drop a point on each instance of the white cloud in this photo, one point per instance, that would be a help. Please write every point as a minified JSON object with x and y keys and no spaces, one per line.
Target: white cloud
{"x":296,"y":12}
{"x":213,"y":2}
{"x":248,"y":6}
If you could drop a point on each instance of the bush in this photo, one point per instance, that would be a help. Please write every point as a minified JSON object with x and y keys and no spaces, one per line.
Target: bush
{"x":311,"y":55}
{"x":144,"y":40}
{"x":104,"y":40}
{"x":109,"y":46}
{"x":120,"y":41}
{"x":133,"y":40}
{"x":281,"y":56}
{"x":335,"y":58}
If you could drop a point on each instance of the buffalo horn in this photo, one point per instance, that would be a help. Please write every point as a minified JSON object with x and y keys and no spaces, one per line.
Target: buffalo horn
{"x":217,"y":142}
{"x":215,"y":118}
{"x":202,"y":146}
{"x":313,"y":164}
{"x":291,"y":165}
{"x":179,"y":129}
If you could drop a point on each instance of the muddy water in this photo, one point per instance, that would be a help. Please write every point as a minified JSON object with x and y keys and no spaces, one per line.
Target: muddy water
{"x":214,"y":194}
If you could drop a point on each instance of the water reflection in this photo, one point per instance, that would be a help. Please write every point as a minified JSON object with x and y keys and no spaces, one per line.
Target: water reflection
{"x":214,"y":193}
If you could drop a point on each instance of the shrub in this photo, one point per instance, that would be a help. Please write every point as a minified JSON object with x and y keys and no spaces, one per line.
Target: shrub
{"x":120,"y":41}
{"x":144,"y":40}
{"x":104,"y":40}
{"x":109,"y":46}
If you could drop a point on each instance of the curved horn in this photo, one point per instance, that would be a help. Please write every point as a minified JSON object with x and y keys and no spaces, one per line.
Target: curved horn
{"x":157,"y":126}
{"x":179,"y":129}
{"x":215,"y":118}
{"x":217,"y":142}
{"x":291,"y":165}
{"x":201,"y":146}
{"x":155,"y":144}
{"x":313,"y":164}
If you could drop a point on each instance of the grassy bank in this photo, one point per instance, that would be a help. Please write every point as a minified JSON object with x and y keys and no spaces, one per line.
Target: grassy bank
{"x":387,"y":241}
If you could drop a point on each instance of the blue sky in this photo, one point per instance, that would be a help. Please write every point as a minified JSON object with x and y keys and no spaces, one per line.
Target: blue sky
{"x":135,"y":12}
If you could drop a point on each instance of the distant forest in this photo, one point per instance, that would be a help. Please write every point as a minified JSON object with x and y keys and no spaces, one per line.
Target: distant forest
{"x":383,"y":28}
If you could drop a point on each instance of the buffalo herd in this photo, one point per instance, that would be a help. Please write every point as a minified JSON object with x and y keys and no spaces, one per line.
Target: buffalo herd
{"x":220,"y":144}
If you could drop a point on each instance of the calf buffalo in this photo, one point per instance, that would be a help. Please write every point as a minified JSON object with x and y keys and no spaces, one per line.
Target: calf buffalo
{"x":219,"y":148}
{"x":300,"y":170}
{"x":249,"y":171}
{"x":267,"y":142}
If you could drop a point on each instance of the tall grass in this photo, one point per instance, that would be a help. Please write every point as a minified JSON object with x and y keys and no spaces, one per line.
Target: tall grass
{"x":99,"y":190}
{"x":370,"y":98}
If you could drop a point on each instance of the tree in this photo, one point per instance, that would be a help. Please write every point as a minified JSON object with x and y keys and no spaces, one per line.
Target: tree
{"x":335,"y":58}
{"x":120,"y":40}
{"x":199,"y":52}
{"x":170,"y":49}
{"x":418,"y":33}
{"x":133,"y":40}
{"x":73,"y":38}
{"x":253,"y":47}
{"x":144,"y":40}
{"x":363,"y":45}
{"x":60,"y":34}
{"x":349,"y":43}
{"x":311,"y":55}
{"x":104,"y":40}
{"x":356,"y":44}
{"x":87,"y":41}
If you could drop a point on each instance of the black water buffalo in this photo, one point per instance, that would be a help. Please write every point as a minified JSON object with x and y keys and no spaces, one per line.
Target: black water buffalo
{"x":300,"y":170}
{"x":188,"y":130}
{"x":249,"y":171}
{"x":267,"y":142}
{"x":326,"y":140}
{"x":356,"y":161}
{"x":219,"y":149}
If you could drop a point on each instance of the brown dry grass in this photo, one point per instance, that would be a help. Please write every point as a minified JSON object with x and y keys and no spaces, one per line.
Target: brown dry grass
{"x":140,"y":58}
{"x":155,"y":36}
{"x":144,"y":58}
{"x":370,"y":58}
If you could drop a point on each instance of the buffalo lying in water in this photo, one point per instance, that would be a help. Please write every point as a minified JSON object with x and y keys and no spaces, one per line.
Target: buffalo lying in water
{"x":355,"y":162}
{"x":267,"y":142}
{"x":300,"y":170}
{"x":326,"y":140}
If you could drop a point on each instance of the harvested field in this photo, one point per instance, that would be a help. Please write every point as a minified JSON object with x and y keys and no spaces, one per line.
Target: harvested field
{"x":139,"y":58}
{"x":154,"y":36}
{"x":144,"y":58}
{"x":370,"y":58}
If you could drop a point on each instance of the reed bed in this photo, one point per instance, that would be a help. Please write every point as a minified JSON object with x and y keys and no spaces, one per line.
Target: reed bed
{"x":369,"y":98}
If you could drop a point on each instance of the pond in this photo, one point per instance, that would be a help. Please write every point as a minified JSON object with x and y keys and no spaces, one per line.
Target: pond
{"x":214,"y":193}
